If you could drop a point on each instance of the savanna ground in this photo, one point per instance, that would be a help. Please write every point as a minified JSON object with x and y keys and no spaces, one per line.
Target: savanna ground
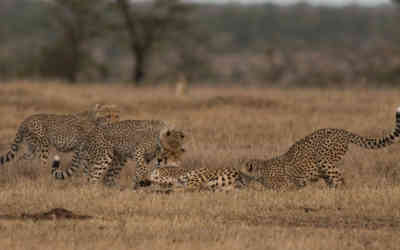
{"x":224,"y":125}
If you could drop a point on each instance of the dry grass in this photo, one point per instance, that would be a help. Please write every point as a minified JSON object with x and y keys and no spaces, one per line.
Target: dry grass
{"x":224,"y":125}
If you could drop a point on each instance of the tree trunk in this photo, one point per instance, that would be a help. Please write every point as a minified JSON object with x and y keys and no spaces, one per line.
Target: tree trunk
{"x":72,"y":74}
{"x":139,"y":70}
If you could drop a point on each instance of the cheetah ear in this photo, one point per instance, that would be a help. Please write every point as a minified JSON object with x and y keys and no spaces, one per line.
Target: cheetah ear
{"x":165,"y":132}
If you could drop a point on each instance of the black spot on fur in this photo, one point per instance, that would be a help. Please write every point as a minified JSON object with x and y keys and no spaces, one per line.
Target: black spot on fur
{"x":145,"y":183}
{"x":9,"y":157}
{"x":56,"y":164}
{"x":18,"y":139}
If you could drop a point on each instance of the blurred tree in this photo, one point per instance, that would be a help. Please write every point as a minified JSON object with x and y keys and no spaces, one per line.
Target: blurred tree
{"x":148,"y":25}
{"x":75,"y":23}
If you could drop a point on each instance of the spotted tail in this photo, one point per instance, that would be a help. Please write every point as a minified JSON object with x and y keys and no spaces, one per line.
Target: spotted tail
{"x":13,"y":150}
{"x":60,"y":174}
{"x":375,"y":143}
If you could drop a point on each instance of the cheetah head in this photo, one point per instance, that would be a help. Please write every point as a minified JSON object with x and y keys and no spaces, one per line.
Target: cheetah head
{"x":171,"y":158}
{"x":249,"y":168}
{"x":171,"y":141}
{"x":106,"y":113}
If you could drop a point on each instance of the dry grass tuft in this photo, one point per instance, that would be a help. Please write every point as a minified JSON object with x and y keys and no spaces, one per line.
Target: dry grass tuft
{"x":224,"y":127}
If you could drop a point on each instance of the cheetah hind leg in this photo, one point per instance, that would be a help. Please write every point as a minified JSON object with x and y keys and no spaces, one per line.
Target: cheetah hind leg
{"x":332,"y":176}
{"x":33,"y":148}
{"x":193,"y":186}
{"x":98,"y":171}
{"x":142,"y":168}
{"x":44,"y":153}
{"x":113,"y":173}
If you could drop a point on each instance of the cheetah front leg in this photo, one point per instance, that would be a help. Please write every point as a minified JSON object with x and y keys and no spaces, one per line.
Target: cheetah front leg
{"x":98,"y":169}
{"x":142,"y":168}
{"x":44,"y":151}
{"x":113,"y":173}
{"x":33,"y":147}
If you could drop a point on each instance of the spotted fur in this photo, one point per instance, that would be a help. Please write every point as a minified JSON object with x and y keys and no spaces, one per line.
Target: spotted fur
{"x":313,"y":157}
{"x":63,"y":132}
{"x":175,"y":177}
{"x":186,"y":179}
{"x":106,"y":150}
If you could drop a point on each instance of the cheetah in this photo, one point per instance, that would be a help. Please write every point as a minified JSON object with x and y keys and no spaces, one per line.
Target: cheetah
{"x":313,"y":157}
{"x":64,"y":132}
{"x":186,"y":179}
{"x":174,"y":176}
{"x":106,"y":150}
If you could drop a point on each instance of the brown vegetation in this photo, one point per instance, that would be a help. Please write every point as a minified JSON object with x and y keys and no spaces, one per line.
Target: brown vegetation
{"x":224,"y":126}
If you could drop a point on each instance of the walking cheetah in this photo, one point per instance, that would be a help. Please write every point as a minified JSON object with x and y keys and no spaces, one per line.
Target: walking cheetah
{"x":106,"y":150}
{"x":63,"y":132}
{"x":313,"y":157}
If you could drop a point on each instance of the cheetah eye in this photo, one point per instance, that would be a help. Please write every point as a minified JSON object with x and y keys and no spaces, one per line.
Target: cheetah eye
{"x":182,"y":136}
{"x":168,"y":133}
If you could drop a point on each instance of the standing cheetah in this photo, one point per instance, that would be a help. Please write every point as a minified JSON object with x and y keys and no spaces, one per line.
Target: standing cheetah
{"x":64,"y":132}
{"x":106,"y":150}
{"x":313,"y":157}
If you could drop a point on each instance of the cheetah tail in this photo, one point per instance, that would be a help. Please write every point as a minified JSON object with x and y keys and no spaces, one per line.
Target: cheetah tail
{"x":375,"y":143}
{"x":13,"y":150}
{"x":59,"y":174}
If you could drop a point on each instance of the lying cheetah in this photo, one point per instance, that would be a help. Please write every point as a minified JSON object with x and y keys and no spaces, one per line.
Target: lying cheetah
{"x":313,"y":157}
{"x":176,"y":177}
{"x":182,"y":179}
{"x":63,"y":132}
{"x":107,"y":149}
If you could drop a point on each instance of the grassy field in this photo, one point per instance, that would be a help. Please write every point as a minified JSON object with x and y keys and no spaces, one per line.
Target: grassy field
{"x":223,"y":127}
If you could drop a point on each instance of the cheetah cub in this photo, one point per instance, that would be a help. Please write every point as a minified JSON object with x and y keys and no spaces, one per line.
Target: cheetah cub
{"x":175,"y":177}
{"x":63,"y":132}
{"x":105,"y":151}
{"x":313,"y":157}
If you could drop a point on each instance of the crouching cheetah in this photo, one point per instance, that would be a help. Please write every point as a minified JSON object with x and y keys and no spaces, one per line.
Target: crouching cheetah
{"x":106,"y":150}
{"x":63,"y":132}
{"x":313,"y":157}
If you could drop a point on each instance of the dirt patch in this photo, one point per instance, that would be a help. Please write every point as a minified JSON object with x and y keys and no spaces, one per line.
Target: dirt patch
{"x":53,"y":214}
